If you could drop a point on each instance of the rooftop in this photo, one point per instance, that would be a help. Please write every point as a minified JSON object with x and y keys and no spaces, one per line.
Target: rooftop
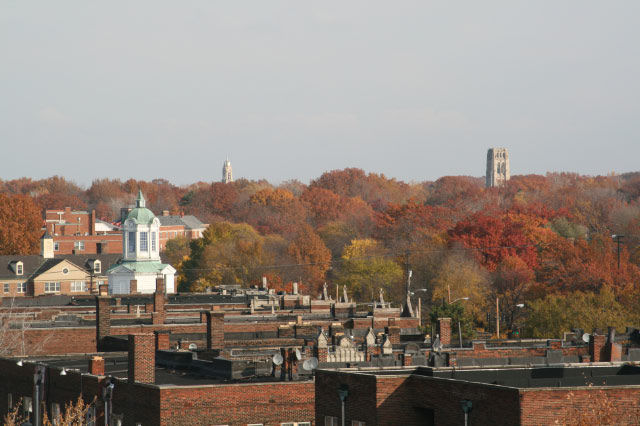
{"x":524,"y":377}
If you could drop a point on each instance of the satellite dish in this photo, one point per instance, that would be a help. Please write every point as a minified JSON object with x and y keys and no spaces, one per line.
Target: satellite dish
{"x":585,"y":337}
{"x":193,"y":346}
{"x":277,"y":359}
{"x":310,"y":364}
{"x":298,"y":354}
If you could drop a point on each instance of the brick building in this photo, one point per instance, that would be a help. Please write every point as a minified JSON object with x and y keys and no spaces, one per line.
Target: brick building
{"x":244,"y":356}
{"x":496,"y":396}
{"x":44,"y":274}
{"x":172,"y":226}
{"x":79,"y":232}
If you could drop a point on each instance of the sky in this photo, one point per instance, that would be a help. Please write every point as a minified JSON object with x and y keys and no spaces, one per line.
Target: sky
{"x":289,"y":89}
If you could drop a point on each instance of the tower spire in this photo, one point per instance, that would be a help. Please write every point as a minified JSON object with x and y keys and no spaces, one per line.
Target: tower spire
{"x":140,"y":201}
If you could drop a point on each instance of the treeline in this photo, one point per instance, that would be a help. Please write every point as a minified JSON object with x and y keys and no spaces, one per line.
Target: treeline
{"x":542,"y":241}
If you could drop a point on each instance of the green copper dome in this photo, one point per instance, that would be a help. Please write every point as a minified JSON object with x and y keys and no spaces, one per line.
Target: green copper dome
{"x":141,"y":214}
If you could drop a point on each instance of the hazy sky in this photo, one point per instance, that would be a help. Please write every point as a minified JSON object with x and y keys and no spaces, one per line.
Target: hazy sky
{"x":289,"y":89}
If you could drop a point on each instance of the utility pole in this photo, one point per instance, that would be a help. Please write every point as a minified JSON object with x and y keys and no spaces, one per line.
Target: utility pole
{"x":618,"y":237}
{"x":498,"y":317}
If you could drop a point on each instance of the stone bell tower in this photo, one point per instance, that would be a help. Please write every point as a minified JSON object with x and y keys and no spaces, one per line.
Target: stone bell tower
{"x":227,"y":175}
{"x":498,"y":171}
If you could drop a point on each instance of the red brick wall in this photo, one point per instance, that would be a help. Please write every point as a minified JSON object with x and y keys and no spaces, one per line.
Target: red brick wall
{"x":240,"y":404}
{"x":142,"y":358}
{"x":394,"y":400}
{"x":546,"y":405}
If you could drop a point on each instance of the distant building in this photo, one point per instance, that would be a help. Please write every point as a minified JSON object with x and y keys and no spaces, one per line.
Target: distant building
{"x":172,"y":226}
{"x":498,"y":171}
{"x":141,"y":255}
{"x":79,"y":232}
{"x":227,"y":175}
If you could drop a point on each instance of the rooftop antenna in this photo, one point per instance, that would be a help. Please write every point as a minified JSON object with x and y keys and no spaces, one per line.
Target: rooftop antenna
{"x":298,"y":354}
{"x":277,"y":359}
{"x":585,"y":337}
{"x":310,"y":364}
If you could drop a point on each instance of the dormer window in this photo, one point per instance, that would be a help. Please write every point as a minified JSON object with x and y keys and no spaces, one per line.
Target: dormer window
{"x":19,"y":268}
{"x":97,"y":267}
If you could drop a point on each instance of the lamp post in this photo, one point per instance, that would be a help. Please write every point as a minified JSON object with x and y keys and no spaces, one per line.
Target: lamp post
{"x":38,"y":387}
{"x":343,"y":393}
{"x":107,"y":393}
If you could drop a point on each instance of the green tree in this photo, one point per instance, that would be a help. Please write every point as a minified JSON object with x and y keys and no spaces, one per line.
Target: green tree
{"x":457,"y":313}
{"x":555,"y":314}
{"x":365,"y":269}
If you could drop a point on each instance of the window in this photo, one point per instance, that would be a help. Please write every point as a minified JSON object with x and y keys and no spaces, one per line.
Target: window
{"x":51,"y":287}
{"x":6,"y":287}
{"x":153,"y":242}
{"x":22,"y":288}
{"x":357,"y":423}
{"x":56,"y":246}
{"x":330,"y":421}
{"x":144,"y":242}
{"x":78,"y":286}
{"x":132,"y":242}
{"x":78,"y":245}
{"x":10,"y":401}
{"x":19,"y":268}
{"x":298,"y":424}
{"x":97,"y":266}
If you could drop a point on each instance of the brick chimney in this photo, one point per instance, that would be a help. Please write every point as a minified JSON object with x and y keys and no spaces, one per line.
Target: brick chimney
{"x":444,"y":330}
{"x":96,"y":366}
{"x":162,"y":340}
{"x":394,"y":334}
{"x":597,"y":347}
{"x":158,"y":302}
{"x":142,"y":358}
{"x":92,"y":223}
{"x":613,"y":349}
{"x":133,"y":287}
{"x":103,"y":320}
{"x":215,"y":330}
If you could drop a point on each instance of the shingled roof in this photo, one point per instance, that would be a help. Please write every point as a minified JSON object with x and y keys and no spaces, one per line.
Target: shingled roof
{"x":188,"y":221}
{"x":34,"y":264}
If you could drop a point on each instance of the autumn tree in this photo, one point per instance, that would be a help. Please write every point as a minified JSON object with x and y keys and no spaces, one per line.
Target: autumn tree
{"x":511,"y":284}
{"x":227,"y":253}
{"x":460,"y":276}
{"x":20,"y":225}
{"x":312,"y":256}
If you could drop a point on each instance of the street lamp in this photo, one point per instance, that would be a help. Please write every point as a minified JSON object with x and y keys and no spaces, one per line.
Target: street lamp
{"x":343,"y":393}
{"x":460,"y":298}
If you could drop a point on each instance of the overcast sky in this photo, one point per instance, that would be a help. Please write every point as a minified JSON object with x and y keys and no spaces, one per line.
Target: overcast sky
{"x":289,"y":89}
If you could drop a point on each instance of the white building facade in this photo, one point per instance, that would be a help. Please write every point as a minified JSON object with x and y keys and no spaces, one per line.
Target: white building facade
{"x":141,"y":254}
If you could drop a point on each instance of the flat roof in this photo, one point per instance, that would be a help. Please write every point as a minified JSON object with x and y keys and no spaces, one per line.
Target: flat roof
{"x":116,"y":365}
{"x":523,"y":377}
